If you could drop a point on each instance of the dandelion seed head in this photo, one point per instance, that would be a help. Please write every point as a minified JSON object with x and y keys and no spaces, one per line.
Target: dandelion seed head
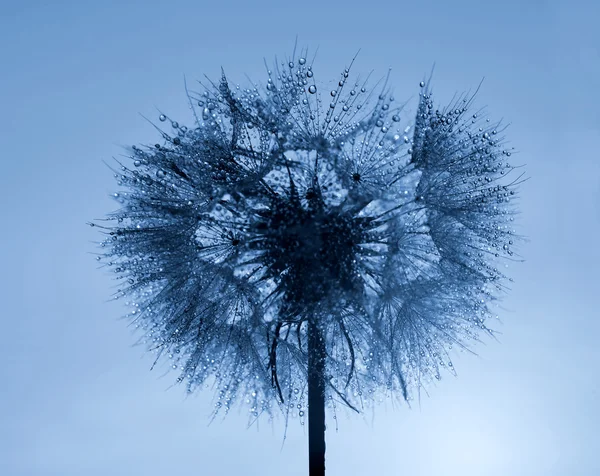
{"x":286,"y":202}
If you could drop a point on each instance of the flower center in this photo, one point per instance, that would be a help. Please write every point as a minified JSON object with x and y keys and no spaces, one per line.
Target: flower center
{"x":311,"y":252}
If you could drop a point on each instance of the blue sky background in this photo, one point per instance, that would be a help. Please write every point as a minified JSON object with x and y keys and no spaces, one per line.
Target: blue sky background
{"x":76,"y":399}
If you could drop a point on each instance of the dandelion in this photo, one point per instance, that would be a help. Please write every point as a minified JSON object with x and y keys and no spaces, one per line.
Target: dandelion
{"x":303,"y":247}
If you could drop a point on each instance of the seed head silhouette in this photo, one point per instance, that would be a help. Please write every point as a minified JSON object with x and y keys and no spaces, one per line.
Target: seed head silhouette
{"x":301,"y":247}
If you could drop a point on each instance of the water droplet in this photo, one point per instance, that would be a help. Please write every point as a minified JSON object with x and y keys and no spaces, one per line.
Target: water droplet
{"x":312,"y":89}
{"x":302,"y":61}
{"x":162,"y":118}
{"x":422,"y":84}
{"x":309,"y":74}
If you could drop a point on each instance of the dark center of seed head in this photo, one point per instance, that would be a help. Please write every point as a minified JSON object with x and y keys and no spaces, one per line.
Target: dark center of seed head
{"x":311,"y":252}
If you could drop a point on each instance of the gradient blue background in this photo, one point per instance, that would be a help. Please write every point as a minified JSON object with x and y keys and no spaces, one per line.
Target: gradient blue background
{"x":76,"y":399}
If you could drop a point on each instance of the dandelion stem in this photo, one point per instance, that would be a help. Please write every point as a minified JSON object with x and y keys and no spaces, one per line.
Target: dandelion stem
{"x":316,"y":399}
